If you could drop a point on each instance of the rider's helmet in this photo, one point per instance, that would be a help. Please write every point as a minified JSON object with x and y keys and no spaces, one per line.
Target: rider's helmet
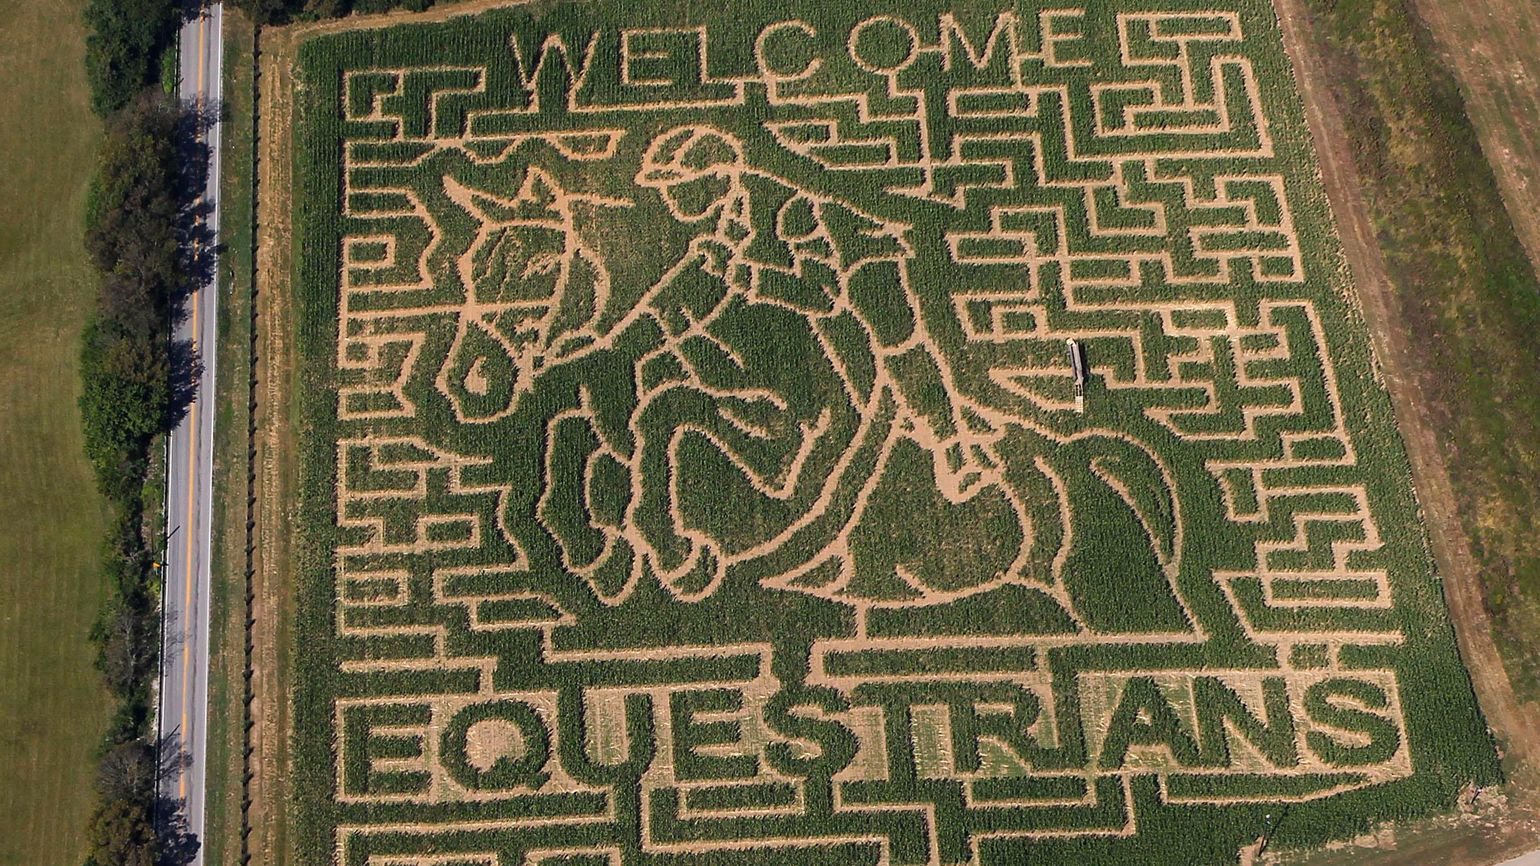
{"x":694,"y":168}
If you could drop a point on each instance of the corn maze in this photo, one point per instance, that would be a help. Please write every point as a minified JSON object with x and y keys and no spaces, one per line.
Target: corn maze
{"x":694,"y":471}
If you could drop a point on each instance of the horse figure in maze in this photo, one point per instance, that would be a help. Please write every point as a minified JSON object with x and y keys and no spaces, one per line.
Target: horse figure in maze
{"x":774,"y":408}
{"x":529,"y":279}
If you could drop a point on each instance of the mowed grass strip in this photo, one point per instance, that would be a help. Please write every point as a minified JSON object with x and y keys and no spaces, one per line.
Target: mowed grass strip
{"x":227,"y":636}
{"x":52,"y":707}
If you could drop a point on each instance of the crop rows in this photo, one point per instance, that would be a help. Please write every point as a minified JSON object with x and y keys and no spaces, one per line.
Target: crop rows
{"x":694,"y":465}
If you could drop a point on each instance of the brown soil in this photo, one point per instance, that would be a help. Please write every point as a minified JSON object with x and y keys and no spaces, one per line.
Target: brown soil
{"x":1493,"y":48}
{"x":1514,"y":723}
{"x":294,"y":34}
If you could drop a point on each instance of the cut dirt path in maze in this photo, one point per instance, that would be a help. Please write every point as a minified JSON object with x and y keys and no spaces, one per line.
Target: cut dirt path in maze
{"x":409,"y":545}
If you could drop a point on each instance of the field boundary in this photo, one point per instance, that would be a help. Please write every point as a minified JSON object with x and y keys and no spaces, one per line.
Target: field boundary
{"x":1451,"y":545}
{"x":279,"y":263}
{"x":272,"y":595}
{"x":1516,"y":725}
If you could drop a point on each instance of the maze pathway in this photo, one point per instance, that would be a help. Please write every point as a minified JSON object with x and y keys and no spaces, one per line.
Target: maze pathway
{"x":709,"y":478}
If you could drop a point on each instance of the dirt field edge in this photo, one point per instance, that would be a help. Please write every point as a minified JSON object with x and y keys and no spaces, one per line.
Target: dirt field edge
{"x":274,"y":467}
{"x":1516,"y":726}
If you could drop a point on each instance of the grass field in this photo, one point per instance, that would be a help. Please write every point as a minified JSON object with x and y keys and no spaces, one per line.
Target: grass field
{"x":695,"y":469}
{"x":52,"y":709}
{"x":1485,"y":45}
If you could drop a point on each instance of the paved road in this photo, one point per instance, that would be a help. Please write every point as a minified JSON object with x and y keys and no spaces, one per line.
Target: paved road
{"x":184,"y":679}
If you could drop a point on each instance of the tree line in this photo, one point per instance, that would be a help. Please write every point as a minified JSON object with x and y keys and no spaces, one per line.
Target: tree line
{"x":125,"y":43}
{"x":134,"y":377}
{"x":135,"y":226}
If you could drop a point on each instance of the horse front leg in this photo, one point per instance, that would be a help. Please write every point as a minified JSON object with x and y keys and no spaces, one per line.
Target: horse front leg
{"x":712,"y":466}
{"x":583,"y":504}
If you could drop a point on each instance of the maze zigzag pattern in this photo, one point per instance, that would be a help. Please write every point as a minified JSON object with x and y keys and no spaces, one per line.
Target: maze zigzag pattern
{"x":928,"y":211}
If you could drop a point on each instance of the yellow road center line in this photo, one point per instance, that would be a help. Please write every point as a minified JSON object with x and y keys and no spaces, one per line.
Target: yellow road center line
{"x":192,"y":480}
{"x":192,"y":484}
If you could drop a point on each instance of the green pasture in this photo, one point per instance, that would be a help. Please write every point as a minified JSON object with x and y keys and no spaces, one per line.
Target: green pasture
{"x":52,"y":707}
